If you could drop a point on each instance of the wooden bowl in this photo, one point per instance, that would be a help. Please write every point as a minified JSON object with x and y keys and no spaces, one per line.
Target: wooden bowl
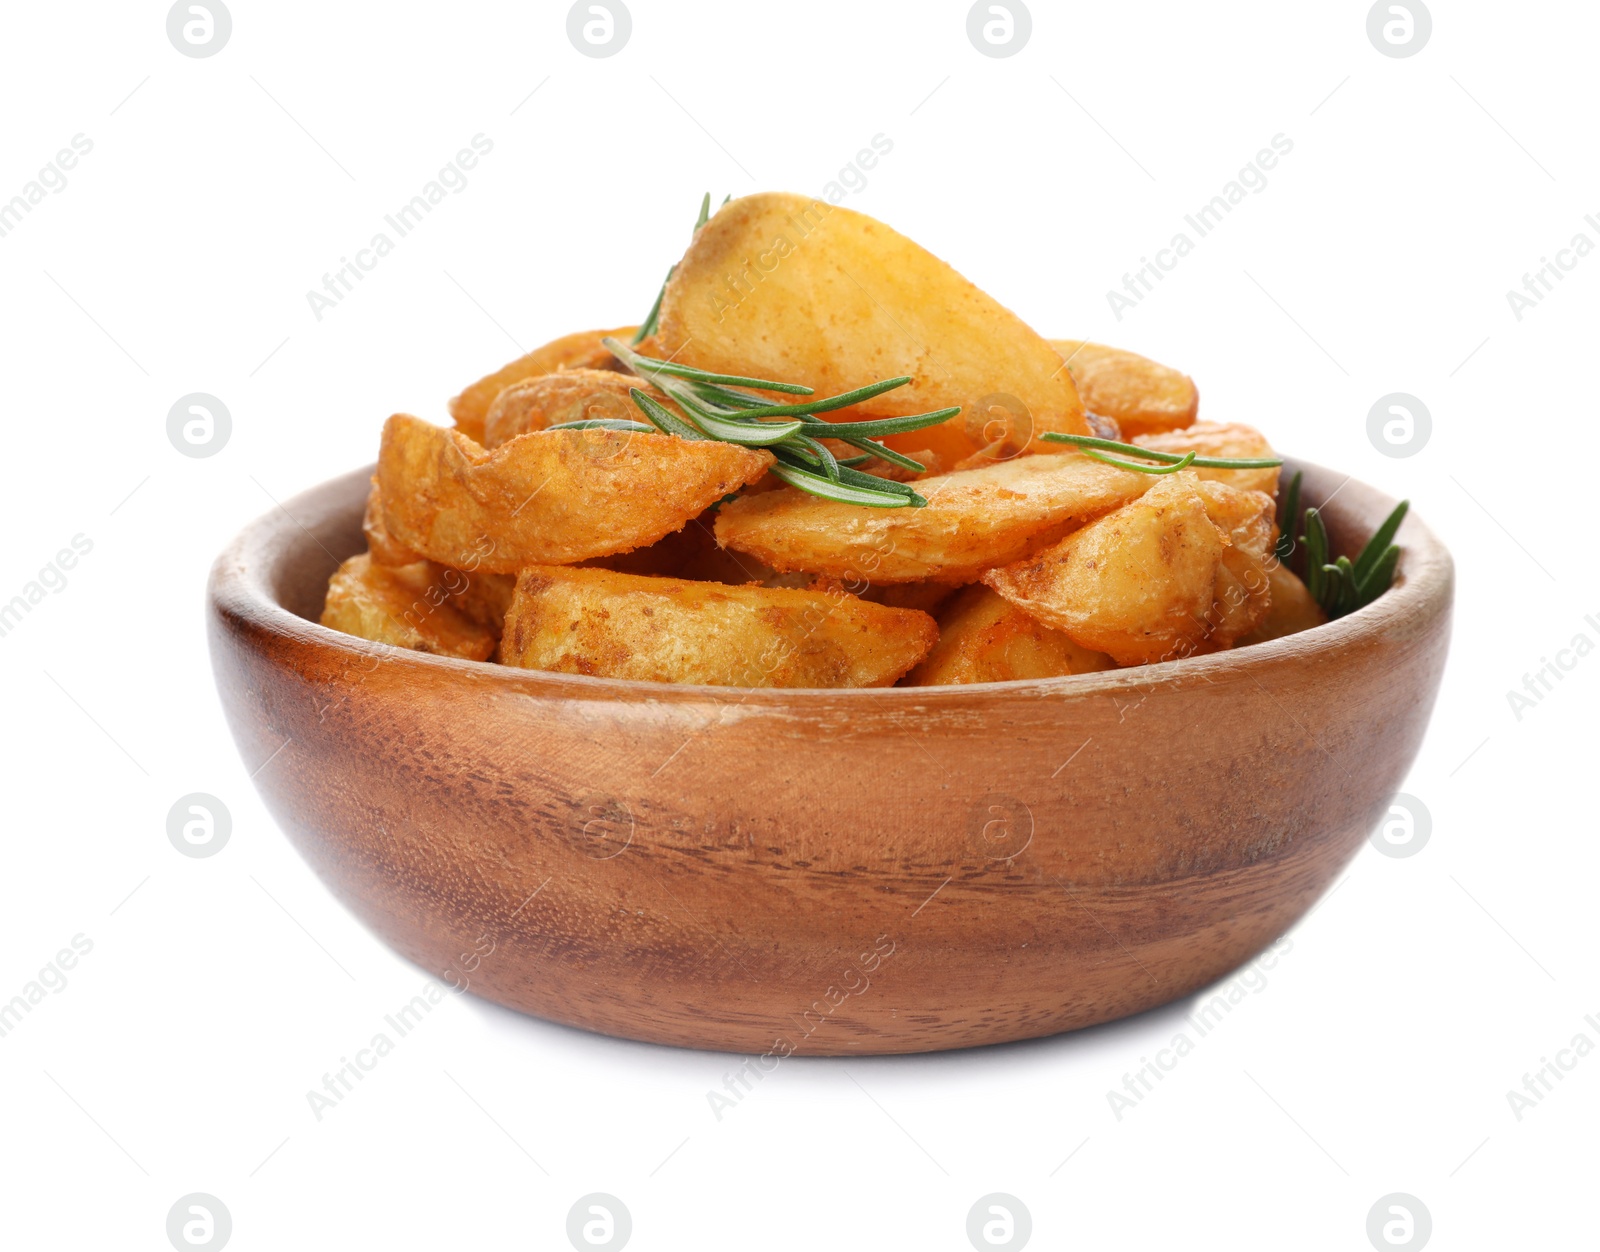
{"x":823,"y":872}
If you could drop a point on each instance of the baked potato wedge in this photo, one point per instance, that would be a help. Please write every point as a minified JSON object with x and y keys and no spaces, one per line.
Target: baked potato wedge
{"x":582,"y":350}
{"x":984,"y":638}
{"x":1137,"y":584}
{"x":1143,"y":396}
{"x":380,"y":544}
{"x":975,"y":519}
{"x":1181,"y":570}
{"x":566,"y":396}
{"x":406,"y":606}
{"x":482,"y":596}
{"x":785,"y":287}
{"x":611,"y":625}
{"x":547,"y":497}
{"x":1292,"y":608}
{"x":1243,"y":594}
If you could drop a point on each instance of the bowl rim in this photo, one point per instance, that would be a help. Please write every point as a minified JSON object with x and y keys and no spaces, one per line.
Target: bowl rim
{"x":238,"y":588}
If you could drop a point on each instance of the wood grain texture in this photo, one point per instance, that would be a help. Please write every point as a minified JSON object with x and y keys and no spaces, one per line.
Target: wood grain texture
{"x":823,"y":872}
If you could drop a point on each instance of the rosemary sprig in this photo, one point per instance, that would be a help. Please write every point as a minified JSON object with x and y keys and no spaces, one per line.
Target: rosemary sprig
{"x":1340,"y":586}
{"x":1166,"y":462}
{"x":1291,"y":510}
{"x":715,"y":406}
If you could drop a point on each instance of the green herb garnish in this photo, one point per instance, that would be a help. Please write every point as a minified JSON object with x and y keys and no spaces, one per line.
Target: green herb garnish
{"x":715,"y":406}
{"x":1166,"y":462}
{"x":1340,"y":586}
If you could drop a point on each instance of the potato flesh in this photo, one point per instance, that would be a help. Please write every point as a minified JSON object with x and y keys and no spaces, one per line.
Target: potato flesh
{"x":551,"y":497}
{"x":1143,"y":396}
{"x":975,"y":519}
{"x":1243,"y":594}
{"x":566,"y":396}
{"x":406,"y":606}
{"x":1291,"y":611}
{"x":1218,"y":439}
{"x":1179,"y":571}
{"x":380,"y":544}
{"x":481,"y":596}
{"x":580,"y":350}
{"x":983,"y":638}
{"x":1135,"y":585}
{"x":610,"y":625}
{"x":782,"y":287}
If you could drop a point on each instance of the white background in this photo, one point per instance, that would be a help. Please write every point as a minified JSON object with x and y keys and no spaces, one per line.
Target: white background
{"x":1378,"y":1054}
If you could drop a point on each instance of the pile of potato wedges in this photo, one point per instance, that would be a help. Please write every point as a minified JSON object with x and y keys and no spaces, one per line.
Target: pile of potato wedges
{"x":617,"y":551}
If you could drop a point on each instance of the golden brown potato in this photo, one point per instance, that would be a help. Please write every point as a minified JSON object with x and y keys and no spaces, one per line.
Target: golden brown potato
{"x":1243,"y":594}
{"x":577,"y":351}
{"x":591,"y":621}
{"x":567,"y":396}
{"x":691,"y":553}
{"x":482,"y":596}
{"x":783,"y":287}
{"x":380,"y":544}
{"x":1136,"y":585}
{"x":1292,"y":609}
{"x":405,"y":606}
{"x":974,"y":520}
{"x":1180,"y":570}
{"x":1217,"y":439}
{"x":550,"y":496}
{"x":983,"y":638}
{"x":1142,"y":395}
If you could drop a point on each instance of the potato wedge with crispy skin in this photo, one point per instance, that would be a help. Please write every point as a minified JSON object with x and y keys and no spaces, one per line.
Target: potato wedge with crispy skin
{"x":380,"y":544}
{"x":1218,"y":439}
{"x":597,"y":622}
{"x":565,"y":396}
{"x":482,"y":596}
{"x":975,"y":520}
{"x":983,"y":638}
{"x":1292,"y":609}
{"x":1243,"y":594}
{"x":1244,"y":588}
{"x":1143,"y":396}
{"x":404,"y":606}
{"x":1137,"y":584}
{"x":784,"y":287}
{"x":582,"y":350}
{"x":547,"y":497}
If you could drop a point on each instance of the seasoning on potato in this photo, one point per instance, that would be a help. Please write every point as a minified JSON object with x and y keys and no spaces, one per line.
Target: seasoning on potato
{"x":820,"y":436}
{"x":610,"y":625}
